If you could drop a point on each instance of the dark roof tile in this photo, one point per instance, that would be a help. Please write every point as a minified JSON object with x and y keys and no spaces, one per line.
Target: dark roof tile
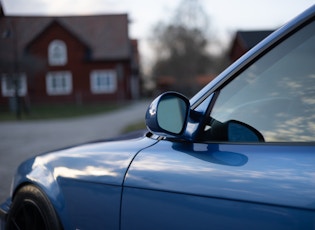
{"x":251,"y":38}
{"x":106,"y":35}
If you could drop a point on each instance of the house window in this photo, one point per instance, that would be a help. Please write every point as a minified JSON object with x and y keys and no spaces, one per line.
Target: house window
{"x":10,"y":83}
{"x":103,"y":81}
{"x":59,"y":83}
{"x":57,"y":53}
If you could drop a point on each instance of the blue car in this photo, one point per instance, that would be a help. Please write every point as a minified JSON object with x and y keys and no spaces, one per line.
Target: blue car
{"x":240,"y":154}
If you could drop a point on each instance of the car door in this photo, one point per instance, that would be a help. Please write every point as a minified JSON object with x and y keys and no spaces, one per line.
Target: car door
{"x":231,"y":181}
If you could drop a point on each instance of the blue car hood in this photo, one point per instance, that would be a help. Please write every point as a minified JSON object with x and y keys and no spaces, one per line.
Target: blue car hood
{"x":100,"y":162}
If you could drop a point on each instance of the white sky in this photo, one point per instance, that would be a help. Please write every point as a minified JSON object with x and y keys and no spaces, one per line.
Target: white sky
{"x":226,"y":16}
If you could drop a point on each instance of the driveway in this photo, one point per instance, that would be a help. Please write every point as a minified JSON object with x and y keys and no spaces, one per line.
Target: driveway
{"x":20,"y":140}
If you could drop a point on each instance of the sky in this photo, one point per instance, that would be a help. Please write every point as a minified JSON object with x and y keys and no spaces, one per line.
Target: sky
{"x":226,"y":16}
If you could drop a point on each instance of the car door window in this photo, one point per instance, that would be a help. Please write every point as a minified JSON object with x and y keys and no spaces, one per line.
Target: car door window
{"x":276,"y":94}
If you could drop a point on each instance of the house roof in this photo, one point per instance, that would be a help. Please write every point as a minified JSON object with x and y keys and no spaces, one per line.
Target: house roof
{"x":251,"y":38}
{"x":105,"y":35}
{"x":245,"y":40}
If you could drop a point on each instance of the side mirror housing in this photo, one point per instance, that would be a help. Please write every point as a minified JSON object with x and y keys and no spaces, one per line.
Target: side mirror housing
{"x":167,"y":115}
{"x":240,"y":132}
{"x":235,"y":131}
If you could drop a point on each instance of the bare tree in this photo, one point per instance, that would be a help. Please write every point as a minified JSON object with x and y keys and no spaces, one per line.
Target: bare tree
{"x":15,"y":63}
{"x":181,"y":47}
{"x":24,"y":68}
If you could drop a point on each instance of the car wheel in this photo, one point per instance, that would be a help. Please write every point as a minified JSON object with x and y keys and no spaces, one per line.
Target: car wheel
{"x":31,"y":209}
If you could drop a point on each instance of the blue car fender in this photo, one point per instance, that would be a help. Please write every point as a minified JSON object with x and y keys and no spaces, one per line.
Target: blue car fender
{"x":69,"y":176}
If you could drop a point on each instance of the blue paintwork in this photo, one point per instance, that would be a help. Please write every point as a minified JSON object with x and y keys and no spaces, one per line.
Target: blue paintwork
{"x":239,"y":172}
{"x":82,"y":177}
{"x":254,"y":181}
{"x":146,"y":183}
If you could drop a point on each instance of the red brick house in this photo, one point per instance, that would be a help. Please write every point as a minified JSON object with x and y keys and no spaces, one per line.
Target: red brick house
{"x":245,"y":40}
{"x":72,"y":59}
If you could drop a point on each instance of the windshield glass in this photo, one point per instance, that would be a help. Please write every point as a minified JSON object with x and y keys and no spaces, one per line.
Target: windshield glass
{"x":276,"y":94}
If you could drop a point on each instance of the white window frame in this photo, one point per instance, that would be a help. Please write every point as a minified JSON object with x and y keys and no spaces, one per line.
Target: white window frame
{"x":59,"y":83}
{"x":103,"y":81}
{"x":7,"y":87}
{"x":57,"y":53}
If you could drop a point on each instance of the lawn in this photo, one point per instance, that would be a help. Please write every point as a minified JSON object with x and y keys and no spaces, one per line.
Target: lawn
{"x":46,"y":112}
{"x":39,"y":112}
{"x":136,"y":126}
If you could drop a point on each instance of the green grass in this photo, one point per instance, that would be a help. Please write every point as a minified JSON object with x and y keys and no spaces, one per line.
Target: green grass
{"x":46,"y":112}
{"x":135,"y":126}
{"x":39,"y":112}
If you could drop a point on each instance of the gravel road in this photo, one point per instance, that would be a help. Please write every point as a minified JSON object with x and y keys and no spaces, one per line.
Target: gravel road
{"x":20,"y":140}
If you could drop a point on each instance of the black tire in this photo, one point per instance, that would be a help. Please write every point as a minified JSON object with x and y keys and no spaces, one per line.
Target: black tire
{"x":31,"y":210}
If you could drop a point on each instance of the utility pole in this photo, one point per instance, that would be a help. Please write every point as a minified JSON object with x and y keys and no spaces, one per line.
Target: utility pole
{"x":13,"y":77}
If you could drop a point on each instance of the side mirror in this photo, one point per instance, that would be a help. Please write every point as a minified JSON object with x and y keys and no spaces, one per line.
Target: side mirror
{"x":240,"y":132}
{"x":167,"y":114}
{"x":234,"y":131}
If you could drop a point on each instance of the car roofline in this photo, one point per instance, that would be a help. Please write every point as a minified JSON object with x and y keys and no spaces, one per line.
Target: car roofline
{"x":250,"y":56}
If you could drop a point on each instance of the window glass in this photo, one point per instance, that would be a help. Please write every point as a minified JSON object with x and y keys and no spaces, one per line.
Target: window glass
{"x":8,"y":85}
{"x":57,"y":53}
{"x":276,"y":94}
{"x":103,"y":81}
{"x":59,"y":83}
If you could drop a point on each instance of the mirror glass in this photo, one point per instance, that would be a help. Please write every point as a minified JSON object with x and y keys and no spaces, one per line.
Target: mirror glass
{"x":171,"y":114}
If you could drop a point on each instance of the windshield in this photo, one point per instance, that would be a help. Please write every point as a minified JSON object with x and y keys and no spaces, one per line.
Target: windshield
{"x":276,"y":94}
